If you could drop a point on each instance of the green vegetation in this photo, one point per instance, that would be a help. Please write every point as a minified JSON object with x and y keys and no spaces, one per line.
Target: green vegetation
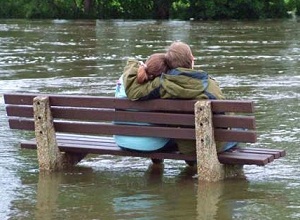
{"x":149,"y":9}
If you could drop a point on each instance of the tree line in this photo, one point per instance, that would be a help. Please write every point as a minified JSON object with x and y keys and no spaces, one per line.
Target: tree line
{"x":149,"y":9}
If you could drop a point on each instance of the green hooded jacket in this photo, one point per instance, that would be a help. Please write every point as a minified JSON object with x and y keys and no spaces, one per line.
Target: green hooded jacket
{"x":178,"y":83}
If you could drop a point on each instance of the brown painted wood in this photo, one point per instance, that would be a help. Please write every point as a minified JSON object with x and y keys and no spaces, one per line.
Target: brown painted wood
{"x":105,"y":145}
{"x":276,"y":152}
{"x":110,"y":129}
{"x":125,"y":116}
{"x":150,"y":117}
{"x":235,"y":135}
{"x":19,"y":111}
{"x":110,"y":102}
{"x":102,"y":102}
{"x":91,"y":115}
{"x":22,"y":124}
{"x":233,"y":106}
{"x":138,"y":130}
{"x":234,"y":121}
{"x":110,"y":150}
{"x":88,"y":114}
{"x":245,"y":158}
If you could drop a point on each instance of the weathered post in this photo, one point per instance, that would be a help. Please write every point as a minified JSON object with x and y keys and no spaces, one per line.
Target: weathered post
{"x":49,"y":157}
{"x":208,"y":166}
{"x":48,"y":153}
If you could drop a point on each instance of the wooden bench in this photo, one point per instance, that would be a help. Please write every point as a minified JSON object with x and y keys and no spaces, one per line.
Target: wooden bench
{"x":71,"y":127}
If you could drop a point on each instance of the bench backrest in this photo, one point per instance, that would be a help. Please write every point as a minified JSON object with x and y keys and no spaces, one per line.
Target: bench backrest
{"x":95,"y":115}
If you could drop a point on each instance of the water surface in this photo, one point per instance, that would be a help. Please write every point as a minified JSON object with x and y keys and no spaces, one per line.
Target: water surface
{"x":256,"y":60}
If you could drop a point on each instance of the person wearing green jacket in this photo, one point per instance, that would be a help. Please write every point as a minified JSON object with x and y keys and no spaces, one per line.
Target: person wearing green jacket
{"x":155,"y":65}
{"x":181,"y":81}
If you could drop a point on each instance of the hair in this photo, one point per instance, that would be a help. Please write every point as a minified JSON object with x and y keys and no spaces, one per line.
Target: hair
{"x":154,"y":66}
{"x":179,"y":54}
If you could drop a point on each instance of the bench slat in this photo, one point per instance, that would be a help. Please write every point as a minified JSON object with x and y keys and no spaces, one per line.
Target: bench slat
{"x":94,"y":140}
{"x":108,"y":129}
{"x":235,"y":135}
{"x":19,"y":111}
{"x":112,"y":150}
{"x":149,"y":131}
{"x":90,"y":114}
{"x":245,"y":158}
{"x":276,"y":152}
{"x":233,"y":121}
{"x":85,"y":114}
{"x":153,"y":105}
{"x":22,"y":124}
{"x":64,"y":136}
{"x":232,"y":106}
{"x":101,"y":102}
{"x":106,"y":145}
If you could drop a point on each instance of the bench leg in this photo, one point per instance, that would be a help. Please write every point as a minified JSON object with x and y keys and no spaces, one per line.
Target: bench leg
{"x":208,"y":166}
{"x":232,"y":171}
{"x":49,"y":156}
{"x":70,"y":159}
{"x":157,"y":161}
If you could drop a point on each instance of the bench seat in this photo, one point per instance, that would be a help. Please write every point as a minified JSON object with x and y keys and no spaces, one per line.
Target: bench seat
{"x":106,"y":146}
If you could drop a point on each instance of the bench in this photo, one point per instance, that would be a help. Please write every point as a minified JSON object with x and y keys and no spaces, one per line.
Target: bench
{"x":68,"y":127}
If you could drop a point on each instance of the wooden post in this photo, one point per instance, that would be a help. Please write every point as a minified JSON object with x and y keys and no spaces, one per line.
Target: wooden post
{"x":208,"y":166}
{"x":49,"y":156}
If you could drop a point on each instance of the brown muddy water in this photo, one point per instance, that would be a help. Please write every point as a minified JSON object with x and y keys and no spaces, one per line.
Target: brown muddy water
{"x":257,"y":60}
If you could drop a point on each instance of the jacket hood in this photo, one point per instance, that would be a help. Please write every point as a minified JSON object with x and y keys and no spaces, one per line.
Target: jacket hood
{"x":178,"y":83}
{"x":184,"y":83}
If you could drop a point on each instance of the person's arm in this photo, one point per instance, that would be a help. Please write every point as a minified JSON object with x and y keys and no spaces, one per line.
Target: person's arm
{"x":214,"y":89}
{"x":133,"y":89}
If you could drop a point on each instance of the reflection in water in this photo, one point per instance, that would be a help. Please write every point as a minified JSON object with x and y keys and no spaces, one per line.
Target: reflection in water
{"x":257,"y":60}
{"x":59,"y":195}
{"x":47,"y":195}
{"x":135,"y":203}
{"x":236,"y":199}
{"x":149,"y":196}
{"x":208,"y":198}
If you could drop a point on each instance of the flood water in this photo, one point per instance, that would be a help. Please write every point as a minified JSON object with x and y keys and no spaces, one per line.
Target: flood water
{"x":257,"y":60}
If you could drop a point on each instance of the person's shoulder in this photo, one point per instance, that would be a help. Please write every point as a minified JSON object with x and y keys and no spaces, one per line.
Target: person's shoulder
{"x":186,"y":71}
{"x":132,"y":60}
{"x":178,"y":71}
{"x":131,"y":64}
{"x":197,"y":71}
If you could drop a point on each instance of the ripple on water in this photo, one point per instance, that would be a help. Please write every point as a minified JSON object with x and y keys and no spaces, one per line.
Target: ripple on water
{"x":75,"y":85}
{"x":251,"y":60}
{"x":131,"y":165}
